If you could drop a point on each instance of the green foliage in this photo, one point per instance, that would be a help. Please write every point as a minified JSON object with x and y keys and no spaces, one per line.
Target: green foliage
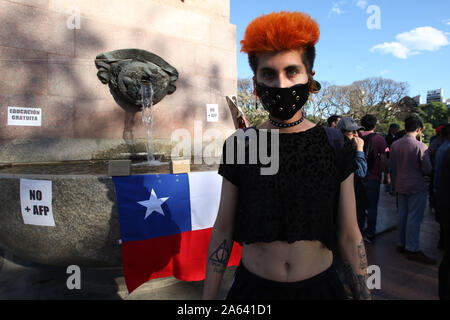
{"x":383,"y":127}
{"x":435,"y":113}
{"x":428,"y":132}
{"x":247,"y":101}
{"x":255,"y":116}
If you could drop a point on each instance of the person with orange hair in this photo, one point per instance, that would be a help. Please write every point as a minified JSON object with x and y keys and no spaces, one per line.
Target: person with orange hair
{"x":293,"y":221}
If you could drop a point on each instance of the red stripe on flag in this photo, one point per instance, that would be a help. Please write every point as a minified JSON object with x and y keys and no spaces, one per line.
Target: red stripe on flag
{"x":182,"y":255}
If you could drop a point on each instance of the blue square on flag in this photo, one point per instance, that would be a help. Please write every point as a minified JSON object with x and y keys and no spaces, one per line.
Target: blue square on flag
{"x":158,"y":206}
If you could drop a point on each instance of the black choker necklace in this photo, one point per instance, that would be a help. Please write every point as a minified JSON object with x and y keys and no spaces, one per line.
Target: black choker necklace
{"x":287,"y":125}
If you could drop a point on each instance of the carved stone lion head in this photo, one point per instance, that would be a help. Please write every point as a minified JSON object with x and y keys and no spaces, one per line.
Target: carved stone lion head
{"x":124,"y":70}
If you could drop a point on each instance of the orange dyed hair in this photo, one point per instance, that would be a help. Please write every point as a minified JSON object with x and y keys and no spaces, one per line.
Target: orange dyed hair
{"x":280,"y":31}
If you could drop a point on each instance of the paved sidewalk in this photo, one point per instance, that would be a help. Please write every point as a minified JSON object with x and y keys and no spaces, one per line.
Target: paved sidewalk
{"x":403,"y":279}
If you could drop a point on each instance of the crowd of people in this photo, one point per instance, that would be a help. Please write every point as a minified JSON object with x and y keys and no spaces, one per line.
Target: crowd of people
{"x":412,"y":172}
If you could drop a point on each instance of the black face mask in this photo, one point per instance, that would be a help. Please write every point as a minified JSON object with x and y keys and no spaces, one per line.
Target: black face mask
{"x":283,"y":103}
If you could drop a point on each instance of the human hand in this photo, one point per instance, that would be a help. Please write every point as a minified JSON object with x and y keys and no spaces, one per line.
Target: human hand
{"x":359,"y":143}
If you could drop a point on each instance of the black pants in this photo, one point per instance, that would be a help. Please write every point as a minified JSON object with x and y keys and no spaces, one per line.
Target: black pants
{"x":249,"y":286}
{"x":444,"y":267}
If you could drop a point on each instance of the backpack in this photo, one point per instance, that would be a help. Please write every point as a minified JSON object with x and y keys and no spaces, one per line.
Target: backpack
{"x":368,"y":150}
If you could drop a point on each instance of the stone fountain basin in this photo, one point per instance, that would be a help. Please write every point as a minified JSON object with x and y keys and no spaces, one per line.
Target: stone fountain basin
{"x":86,"y":231}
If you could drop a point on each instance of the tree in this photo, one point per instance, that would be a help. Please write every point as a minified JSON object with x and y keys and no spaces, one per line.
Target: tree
{"x":428,"y":132}
{"x":373,"y":95}
{"x":407,"y":107}
{"x":253,"y":111}
{"x":378,"y":96}
{"x":326,"y":102}
{"x":435,"y":113}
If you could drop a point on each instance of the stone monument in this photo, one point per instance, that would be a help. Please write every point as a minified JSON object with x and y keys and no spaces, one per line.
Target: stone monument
{"x":47,"y":49}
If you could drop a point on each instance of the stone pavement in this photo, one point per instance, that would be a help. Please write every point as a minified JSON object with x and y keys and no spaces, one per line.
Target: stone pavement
{"x":24,"y":280}
{"x":400,"y":278}
{"x":403,"y":279}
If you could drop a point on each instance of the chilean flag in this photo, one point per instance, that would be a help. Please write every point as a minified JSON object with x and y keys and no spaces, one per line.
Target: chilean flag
{"x":166,"y":222}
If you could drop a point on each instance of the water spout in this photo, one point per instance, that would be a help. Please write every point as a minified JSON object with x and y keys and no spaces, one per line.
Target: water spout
{"x":147,"y":117}
{"x":146,"y":91}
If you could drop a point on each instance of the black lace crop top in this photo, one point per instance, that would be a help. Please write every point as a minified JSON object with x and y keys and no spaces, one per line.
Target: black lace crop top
{"x":299,"y":201}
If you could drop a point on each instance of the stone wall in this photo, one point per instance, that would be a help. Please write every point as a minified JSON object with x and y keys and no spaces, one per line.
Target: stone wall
{"x":47,"y":62}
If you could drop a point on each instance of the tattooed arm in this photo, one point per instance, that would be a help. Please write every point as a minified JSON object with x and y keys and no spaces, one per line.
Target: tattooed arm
{"x":221,"y":242}
{"x":351,"y":245}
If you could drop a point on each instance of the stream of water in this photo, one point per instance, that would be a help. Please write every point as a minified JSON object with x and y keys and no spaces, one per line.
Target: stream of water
{"x":147,"y":120}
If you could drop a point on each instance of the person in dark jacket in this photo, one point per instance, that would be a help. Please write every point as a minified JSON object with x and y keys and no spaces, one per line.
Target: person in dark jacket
{"x":333,"y":120}
{"x":349,"y":129}
{"x":391,"y":136}
{"x":443,"y":217}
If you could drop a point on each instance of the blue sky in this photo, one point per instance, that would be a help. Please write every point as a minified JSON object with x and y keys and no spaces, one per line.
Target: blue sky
{"x":411,"y":43}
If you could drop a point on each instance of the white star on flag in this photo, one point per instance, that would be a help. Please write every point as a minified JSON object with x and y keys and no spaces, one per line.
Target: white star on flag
{"x":153,"y":204}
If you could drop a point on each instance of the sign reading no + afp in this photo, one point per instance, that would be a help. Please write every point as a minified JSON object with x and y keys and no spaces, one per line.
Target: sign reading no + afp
{"x":36,"y":202}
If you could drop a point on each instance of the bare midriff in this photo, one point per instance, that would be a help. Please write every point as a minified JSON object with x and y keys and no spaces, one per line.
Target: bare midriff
{"x":286,"y":262}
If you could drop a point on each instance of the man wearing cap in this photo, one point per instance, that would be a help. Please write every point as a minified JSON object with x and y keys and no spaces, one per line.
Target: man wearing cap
{"x":349,"y":129}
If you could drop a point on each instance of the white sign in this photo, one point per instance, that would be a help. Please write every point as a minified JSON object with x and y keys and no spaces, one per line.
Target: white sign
{"x":36,"y":202}
{"x":212,"y":112}
{"x":18,"y":116}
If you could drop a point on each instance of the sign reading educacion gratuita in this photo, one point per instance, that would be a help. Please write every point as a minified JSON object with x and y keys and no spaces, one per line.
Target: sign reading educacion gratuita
{"x":36,"y":202}
{"x":18,"y":116}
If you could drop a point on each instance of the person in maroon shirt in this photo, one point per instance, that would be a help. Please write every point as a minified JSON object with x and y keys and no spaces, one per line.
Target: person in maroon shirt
{"x":410,"y":163}
{"x":372,"y":181}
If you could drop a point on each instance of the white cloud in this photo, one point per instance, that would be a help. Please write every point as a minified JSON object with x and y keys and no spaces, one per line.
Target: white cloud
{"x":362,"y":4}
{"x":383,"y":72}
{"x":336,"y":9}
{"x":397,"y":49}
{"x":424,"y":38}
{"x":359,"y":68}
{"x":447,"y":22}
{"x":412,"y":42}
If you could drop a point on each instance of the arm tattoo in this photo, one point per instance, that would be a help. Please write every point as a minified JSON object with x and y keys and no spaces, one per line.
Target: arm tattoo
{"x":219,"y":258}
{"x":350,"y":277}
{"x":362,"y":256}
{"x":358,"y":282}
